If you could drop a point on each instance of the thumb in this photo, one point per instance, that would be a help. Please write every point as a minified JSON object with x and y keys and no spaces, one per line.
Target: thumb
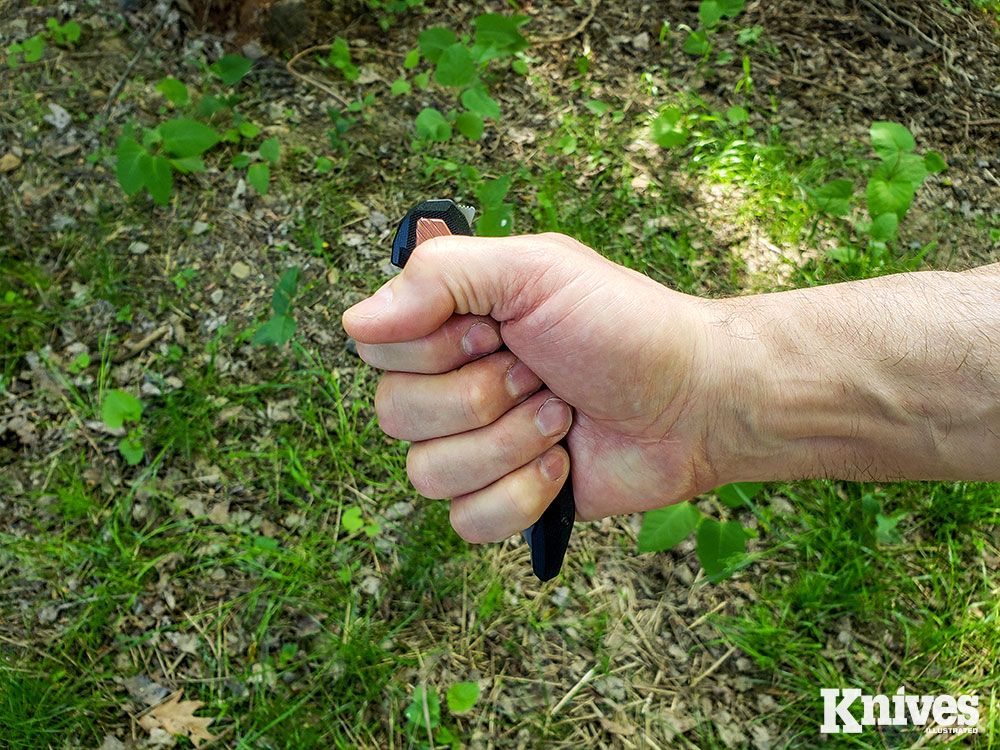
{"x":452,"y":275}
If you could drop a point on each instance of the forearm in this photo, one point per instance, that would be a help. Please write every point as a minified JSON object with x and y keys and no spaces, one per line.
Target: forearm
{"x":884,"y":379}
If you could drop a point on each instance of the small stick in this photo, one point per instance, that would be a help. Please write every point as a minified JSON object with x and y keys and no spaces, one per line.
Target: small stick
{"x":574,"y":690}
{"x":575,"y":32}
{"x":310,"y":79}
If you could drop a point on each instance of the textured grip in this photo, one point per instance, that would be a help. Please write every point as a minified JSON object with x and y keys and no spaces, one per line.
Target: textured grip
{"x":549,"y":536}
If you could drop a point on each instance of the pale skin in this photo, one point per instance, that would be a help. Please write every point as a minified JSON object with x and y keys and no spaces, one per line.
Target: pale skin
{"x":663,"y":396}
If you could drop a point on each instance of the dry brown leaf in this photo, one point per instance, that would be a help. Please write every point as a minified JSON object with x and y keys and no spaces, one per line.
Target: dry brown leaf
{"x":177,"y":717}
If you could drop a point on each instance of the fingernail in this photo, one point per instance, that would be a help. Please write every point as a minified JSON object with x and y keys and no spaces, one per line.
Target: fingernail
{"x":553,"y":417}
{"x":480,"y":339}
{"x":521,"y":380}
{"x":373,"y":306}
{"x":553,"y":464}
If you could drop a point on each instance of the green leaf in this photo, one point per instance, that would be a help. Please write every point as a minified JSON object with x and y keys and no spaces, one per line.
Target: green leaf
{"x":174,"y":91}
{"x":883,"y":228}
{"x":889,"y":196}
{"x":259,"y":175}
{"x":666,"y":527}
{"x":241,"y":160}
{"x":477,"y":99}
{"x":119,"y":407}
{"x":351,"y":519}
{"x":890,"y":138}
{"x":277,"y":331}
{"x":131,"y":166}
{"x":32,"y":47}
{"x":934,"y":162}
{"x":271,"y":150}
{"x":231,"y":68}
{"x":420,"y":80}
{"x":736,"y":115}
{"x":209,"y":105}
{"x":160,"y":179}
{"x":340,"y":58}
{"x":885,"y":528}
{"x":400,"y":86}
{"x":500,"y":32}
{"x":470,"y":125}
{"x":425,"y":705}
{"x":265,"y":543}
{"x":323,"y":165}
{"x":186,"y":137}
{"x":412,"y":59}
{"x":719,"y":544}
{"x":434,"y":41}
{"x":834,"y":198}
{"x":131,"y":449}
{"x":71,"y":31}
{"x":737,"y":495}
{"x":491,"y":194}
{"x":188,"y":164}
{"x":432,"y":126}
{"x":462,"y":696}
{"x":666,"y":130}
{"x":908,"y":167}
{"x":287,"y":287}
{"x":496,"y":222}
{"x":597,"y":107}
{"x":697,"y":43}
{"x":731,"y":8}
{"x":709,"y":13}
{"x":455,"y":66}
{"x":520,"y":67}
{"x":248,"y":129}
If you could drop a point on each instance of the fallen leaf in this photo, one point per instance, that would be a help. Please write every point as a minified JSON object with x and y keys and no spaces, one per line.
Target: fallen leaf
{"x":177,"y":717}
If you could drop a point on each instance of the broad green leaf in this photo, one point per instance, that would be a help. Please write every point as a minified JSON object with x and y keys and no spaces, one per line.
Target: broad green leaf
{"x":737,"y":115}
{"x":277,"y":331}
{"x":434,"y":41}
{"x":884,"y":227}
{"x":709,"y":13}
{"x":186,"y":137}
{"x":400,"y":86}
{"x":889,"y":196}
{"x":248,"y":129}
{"x":424,"y":706}
{"x":323,"y":164}
{"x":934,"y":162}
{"x":462,"y":696}
{"x":188,"y":164}
{"x":909,"y":167}
{"x":32,"y":47}
{"x":731,"y":8}
{"x":890,"y":138}
{"x":351,"y":519}
{"x":412,"y":59}
{"x":119,"y":407}
{"x":737,"y":494}
{"x":719,"y":544}
{"x":340,"y":58}
{"x":209,"y":105}
{"x":491,"y":194}
{"x":174,"y":91}
{"x":477,"y":99}
{"x":697,"y":43}
{"x":885,"y":528}
{"x":131,"y":449}
{"x":470,"y":125}
{"x":265,"y":543}
{"x":496,"y":222}
{"x":667,"y":132}
{"x":420,"y":80}
{"x":271,"y":150}
{"x":500,"y":32}
{"x":834,"y":197}
{"x":259,"y":175}
{"x":130,"y":167}
{"x":664,"y":528}
{"x":231,"y":68}
{"x":432,"y":126}
{"x":160,"y":179}
{"x":241,"y":160}
{"x":286,"y":288}
{"x":597,"y":107}
{"x":71,"y":31}
{"x":520,"y":67}
{"x":455,"y":66}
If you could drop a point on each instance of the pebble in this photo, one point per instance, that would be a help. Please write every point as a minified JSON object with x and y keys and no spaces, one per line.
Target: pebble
{"x":240,"y":270}
{"x":138,"y":248}
{"x":216,"y":296}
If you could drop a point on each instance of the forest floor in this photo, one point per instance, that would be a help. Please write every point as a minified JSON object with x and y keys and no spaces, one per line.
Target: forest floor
{"x":264,"y":553}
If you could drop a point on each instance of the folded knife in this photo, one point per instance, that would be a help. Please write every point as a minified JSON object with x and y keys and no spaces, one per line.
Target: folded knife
{"x":548,"y":537}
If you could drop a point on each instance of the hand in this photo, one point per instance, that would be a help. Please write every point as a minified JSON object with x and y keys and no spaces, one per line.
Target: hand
{"x":627,"y":354}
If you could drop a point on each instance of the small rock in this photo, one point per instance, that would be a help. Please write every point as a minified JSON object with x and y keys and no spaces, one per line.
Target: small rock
{"x":252,"y":50}
{"x":60,"y":222}
{"x":641,"y":41}
{"x":217,"y":296}
{"x":59,"y":118}
{"x":379,"y":220}
{"x":199,"y":227}
{"x":9,"y":162}
{"x":560,"y":596}
{"x":240,"y":270}
{"x":352,"y":346}
{"x":138,"y":248}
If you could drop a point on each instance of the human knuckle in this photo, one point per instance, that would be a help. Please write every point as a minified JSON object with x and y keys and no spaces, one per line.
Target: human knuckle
{"x":421,"y":473}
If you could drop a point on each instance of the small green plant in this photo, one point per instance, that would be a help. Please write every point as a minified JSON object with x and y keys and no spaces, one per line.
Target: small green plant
{"x":280,"y":327}
{"x":891,"y":187}
{"x":720,"y":545}
{"x":149,"y":157}
{"x":119,"y":407}
{"x":710,"y":14}
{"x":30,"y":50}
{"x":423,"y":715}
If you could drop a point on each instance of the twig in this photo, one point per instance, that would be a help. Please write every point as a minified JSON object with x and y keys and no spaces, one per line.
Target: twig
{"x":574,"y":690}
{"x":139,"y":347}
{"x":712,"y":668}
{"x":310,"y":79}
{"x":117,"y":90}
{"x":575,"y":32}
{"x":817,"y":84}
